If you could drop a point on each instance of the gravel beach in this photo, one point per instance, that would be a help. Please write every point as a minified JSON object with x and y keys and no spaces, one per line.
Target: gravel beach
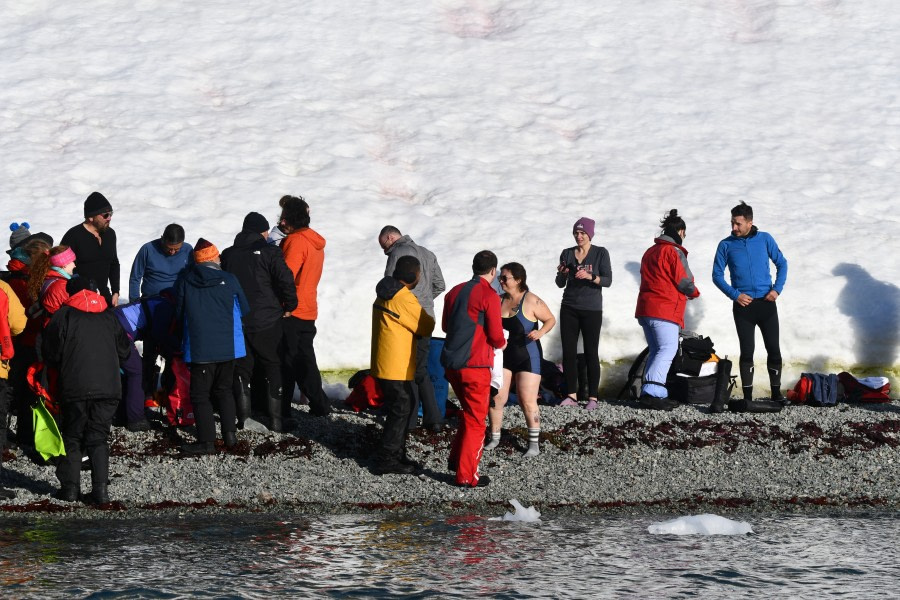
{"x":617,"y":457}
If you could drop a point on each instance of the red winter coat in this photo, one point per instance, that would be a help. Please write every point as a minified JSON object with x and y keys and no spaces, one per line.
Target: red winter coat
{"x":666,"y":282}
{"x":475,"y":342}
{"x":53,"y":294}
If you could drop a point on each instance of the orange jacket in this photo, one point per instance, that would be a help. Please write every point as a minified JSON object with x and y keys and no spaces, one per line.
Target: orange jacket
{"x":304,"y":253}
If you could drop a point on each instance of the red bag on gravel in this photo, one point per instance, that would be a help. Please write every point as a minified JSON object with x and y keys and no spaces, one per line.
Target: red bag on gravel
{"x":856,"y":391}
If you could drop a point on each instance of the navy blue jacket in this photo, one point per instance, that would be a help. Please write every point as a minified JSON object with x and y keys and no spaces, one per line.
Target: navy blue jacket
{"x":209,"y":304}
{"x":747,"y":259}
{"x":153,"y":270}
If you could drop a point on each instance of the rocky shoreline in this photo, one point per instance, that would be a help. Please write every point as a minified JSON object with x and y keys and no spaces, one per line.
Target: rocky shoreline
{"x":613,"y":459}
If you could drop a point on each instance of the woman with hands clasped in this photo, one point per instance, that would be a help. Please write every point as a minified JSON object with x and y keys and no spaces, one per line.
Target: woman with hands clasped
{"x":522,"y":312}
{"x":583,"y":271}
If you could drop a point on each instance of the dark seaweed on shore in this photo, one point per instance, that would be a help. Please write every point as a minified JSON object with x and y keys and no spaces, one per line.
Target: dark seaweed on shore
{"x":586,"y":438}
{"x":167,"y":443}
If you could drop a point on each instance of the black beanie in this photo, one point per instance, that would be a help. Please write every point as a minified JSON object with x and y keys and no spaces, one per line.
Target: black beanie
{"x":255,"y":222}
{"x":40,"y":235}
{"x":96,"y":204}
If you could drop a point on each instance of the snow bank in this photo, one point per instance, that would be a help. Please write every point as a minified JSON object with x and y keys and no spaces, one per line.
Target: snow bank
{"x":475,"y":124}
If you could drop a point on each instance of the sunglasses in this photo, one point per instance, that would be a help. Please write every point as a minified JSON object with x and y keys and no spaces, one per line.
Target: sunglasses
{"x":107,"y":215}
{"x":504,"y":278}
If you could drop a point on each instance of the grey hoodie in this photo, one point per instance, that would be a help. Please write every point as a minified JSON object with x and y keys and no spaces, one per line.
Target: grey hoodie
{"x":431,"y":283}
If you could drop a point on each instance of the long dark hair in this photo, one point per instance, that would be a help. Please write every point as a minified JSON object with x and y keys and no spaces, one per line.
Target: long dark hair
{"x":40,"y":265}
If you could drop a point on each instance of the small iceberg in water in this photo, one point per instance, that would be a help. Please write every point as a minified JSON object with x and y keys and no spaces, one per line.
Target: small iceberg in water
{"x":701,"y":525}
{"x":527,"y":515}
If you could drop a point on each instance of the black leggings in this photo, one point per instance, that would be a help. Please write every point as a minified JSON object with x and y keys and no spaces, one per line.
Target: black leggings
{"x":587,"y":322}
{"x":763,"y":314}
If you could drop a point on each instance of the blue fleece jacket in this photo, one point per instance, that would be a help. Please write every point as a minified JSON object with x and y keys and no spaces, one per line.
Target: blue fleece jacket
{"x":156,"y":269}
{"x":747,"y":259}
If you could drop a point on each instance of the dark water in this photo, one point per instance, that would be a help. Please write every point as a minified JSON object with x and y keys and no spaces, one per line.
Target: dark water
{"x":359,"y":556}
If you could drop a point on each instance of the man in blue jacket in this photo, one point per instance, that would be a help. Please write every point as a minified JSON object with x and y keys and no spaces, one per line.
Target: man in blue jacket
{"x":746,"y":253}
{"x":158,"y":263}
{"x":155,"y":268}
{"x":209,"y":304}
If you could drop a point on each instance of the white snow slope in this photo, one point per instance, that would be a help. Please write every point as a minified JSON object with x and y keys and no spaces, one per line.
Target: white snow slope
{"x":475,"y":124}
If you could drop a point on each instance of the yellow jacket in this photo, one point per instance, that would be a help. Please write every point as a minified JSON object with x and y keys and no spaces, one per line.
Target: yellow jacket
{"x":397,"y":318}
{"x":13,"y":313}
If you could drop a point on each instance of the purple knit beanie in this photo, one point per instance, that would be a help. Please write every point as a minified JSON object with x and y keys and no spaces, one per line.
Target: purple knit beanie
{"x":586,"y":225}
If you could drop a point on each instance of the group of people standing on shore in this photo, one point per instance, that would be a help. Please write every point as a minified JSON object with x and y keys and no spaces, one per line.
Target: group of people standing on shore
{"x":487,"y":333}
{"x":245,"y":314}
{"x":244,"y":322}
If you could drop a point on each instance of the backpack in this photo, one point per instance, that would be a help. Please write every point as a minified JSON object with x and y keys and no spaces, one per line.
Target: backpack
{"x":365,"y":393}
{"x":856,"y":390}
{"x":9,"y":276}
{"x":800,"y":393}
{"x":693,"y":351}
{"x":635,"y":376}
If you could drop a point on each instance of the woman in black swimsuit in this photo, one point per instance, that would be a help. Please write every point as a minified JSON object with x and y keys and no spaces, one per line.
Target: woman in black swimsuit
{"x":521,"y":312}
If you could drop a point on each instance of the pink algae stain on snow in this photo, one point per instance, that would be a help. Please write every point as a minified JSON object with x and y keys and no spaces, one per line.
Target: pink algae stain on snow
{"x":475,"y":20}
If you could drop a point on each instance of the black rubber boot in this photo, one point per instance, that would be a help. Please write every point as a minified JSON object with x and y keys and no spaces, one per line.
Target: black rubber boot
{"x":68,"y":493}
{"x":653,"y":403}
{"x":198,"y":449}
{"x":274,"y":409}
{"x":230,"y":439}
{"x":723,"y":387}
{"x":99,"y":494}
{"x":99,"y":474}
{"x":242,"y":400}
{"x":5,"y":494}
{"x":583,"y":391}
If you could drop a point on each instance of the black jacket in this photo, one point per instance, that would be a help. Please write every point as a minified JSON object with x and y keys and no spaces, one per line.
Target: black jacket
{"x":85,"y":343}
{"x":265,"y":278}
{"x":96,"y":261}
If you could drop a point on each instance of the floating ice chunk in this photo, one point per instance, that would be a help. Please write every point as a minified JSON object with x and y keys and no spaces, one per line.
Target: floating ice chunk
{"x":701,"y":525}
{"x":528,"y":515}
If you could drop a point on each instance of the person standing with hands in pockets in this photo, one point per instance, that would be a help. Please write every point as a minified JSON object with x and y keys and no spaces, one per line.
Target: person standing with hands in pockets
{"x":583,"y":271}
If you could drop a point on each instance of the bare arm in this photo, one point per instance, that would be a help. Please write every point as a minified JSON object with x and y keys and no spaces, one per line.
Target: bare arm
{"x":541,"y":312}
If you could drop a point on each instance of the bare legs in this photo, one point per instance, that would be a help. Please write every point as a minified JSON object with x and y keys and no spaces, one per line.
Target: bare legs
{"x":527,"y":386}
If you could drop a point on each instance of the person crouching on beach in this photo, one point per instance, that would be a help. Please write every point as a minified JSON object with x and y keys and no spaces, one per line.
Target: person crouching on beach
{"x":86,"y":344}
{"x":398,"y":320}
{"x":666,"y":286}
{"x":521,"y":312}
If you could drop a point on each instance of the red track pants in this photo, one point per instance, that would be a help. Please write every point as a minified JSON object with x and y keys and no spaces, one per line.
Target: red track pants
{"x":473,"y":388}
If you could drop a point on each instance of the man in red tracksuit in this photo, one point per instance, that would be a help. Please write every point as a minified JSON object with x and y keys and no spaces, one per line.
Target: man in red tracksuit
{"x":474,"y":329}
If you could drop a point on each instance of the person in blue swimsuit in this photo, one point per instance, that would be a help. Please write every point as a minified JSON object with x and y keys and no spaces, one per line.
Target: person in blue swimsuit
{"x":526,"y":319}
